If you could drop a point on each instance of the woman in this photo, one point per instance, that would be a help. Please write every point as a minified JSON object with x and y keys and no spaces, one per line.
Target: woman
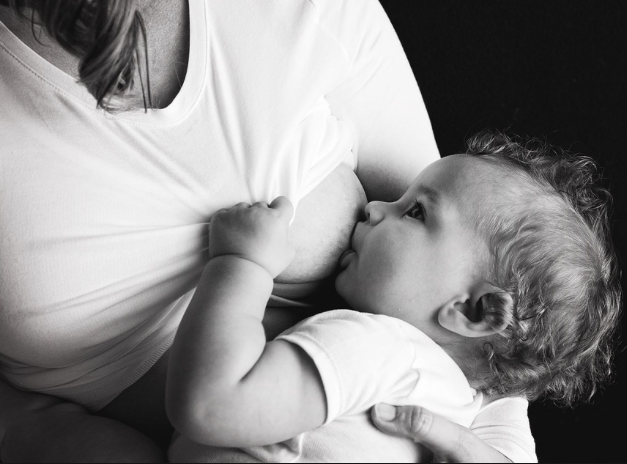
{"x":107,"y":187}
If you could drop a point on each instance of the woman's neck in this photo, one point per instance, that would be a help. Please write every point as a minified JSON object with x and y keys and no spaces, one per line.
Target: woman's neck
{"x":167,"y":25}
{"x":38,"y":41}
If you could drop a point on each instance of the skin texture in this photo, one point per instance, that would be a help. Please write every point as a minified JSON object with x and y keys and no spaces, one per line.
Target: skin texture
{"x":322,"y":227}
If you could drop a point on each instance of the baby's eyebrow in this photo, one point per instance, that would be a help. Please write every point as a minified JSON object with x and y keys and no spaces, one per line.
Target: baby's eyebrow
{"x":432,"y":195}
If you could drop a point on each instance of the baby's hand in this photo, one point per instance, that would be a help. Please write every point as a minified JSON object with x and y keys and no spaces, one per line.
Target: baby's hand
{"x":258,"y":233}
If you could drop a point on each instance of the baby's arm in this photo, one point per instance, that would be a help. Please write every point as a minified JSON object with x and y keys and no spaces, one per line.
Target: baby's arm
{"x":226,"y":385}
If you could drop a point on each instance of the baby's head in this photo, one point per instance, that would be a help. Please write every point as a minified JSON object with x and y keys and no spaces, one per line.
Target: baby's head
{"x":503,"y":256}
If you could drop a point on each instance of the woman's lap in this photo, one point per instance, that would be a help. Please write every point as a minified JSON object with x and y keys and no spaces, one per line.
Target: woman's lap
{"x":142,"y":405}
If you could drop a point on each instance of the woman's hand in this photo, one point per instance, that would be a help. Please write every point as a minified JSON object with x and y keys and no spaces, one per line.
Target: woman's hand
{"x":448,"y":441}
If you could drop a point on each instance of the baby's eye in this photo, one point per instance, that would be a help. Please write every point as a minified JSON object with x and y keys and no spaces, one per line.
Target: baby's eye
{"x":417,"y":211}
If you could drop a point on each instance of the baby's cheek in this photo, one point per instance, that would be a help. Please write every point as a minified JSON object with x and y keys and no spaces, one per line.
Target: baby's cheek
{"x":323,"y":225}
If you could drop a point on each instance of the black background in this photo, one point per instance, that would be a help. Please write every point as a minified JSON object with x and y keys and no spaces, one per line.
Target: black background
{"x":555,"y":70}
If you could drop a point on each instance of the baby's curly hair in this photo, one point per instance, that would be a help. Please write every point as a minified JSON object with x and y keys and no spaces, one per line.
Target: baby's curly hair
{"x":552,"y":254}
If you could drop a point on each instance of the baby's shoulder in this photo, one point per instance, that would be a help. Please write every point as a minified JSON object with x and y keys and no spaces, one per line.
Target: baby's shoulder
{"x":347,"y":331}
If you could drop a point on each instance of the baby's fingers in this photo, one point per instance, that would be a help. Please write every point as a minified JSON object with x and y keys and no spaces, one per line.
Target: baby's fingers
{"x":241,"y":204}
{"x":284,"y":205}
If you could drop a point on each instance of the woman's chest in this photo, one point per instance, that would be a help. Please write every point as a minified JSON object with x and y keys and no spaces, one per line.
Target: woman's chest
{"x":168,"y":45}
{"x":101,"y":213}
{"x":166,"y":48}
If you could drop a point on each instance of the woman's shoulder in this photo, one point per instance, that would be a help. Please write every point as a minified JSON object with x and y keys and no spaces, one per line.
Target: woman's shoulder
{"x":348,"y":20}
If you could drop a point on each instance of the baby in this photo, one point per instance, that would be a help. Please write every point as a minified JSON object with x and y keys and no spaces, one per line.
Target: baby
{"x":492,"y":276}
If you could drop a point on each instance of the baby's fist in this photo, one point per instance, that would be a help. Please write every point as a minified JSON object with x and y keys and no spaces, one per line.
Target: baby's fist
{"x":258,"y":233}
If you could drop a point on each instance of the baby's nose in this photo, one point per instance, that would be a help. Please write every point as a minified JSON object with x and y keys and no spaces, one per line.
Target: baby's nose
{"x":374,"y":212}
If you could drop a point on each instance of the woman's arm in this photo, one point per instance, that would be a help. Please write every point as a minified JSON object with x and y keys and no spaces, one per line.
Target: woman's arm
{"x":15,"y":404}
{"x":226,"y":385}
{"x":379,"y":98}
{"x":41,"y":428}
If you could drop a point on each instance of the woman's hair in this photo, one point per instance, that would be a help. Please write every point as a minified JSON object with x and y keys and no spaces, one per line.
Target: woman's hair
{"x":107,"y":37}
{"x":552,"y":254}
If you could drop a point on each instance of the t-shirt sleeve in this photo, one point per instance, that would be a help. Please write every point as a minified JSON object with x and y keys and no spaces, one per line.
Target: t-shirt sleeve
{"x":504,"y":425}
{"x":379,"y":96}
{"x":363,"y":359}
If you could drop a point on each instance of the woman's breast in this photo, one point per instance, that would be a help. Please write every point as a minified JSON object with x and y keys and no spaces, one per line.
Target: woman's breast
{"x":323,"y":225}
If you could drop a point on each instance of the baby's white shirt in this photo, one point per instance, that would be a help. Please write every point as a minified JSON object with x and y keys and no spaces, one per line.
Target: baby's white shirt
{"x":363,"y":359}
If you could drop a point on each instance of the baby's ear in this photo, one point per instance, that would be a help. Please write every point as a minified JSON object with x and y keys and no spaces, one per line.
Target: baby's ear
{"x":488,"y":311}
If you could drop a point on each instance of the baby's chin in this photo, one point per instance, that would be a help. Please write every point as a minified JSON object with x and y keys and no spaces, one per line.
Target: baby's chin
{"x":340,"y":286}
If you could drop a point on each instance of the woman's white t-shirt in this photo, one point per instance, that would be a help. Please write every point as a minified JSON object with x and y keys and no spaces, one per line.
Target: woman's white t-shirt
{"x":103,"y":225}
{"x":102,"y":230}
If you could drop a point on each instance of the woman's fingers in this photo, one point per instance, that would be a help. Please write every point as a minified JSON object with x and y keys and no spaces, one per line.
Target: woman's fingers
{"x":448,"y":441}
